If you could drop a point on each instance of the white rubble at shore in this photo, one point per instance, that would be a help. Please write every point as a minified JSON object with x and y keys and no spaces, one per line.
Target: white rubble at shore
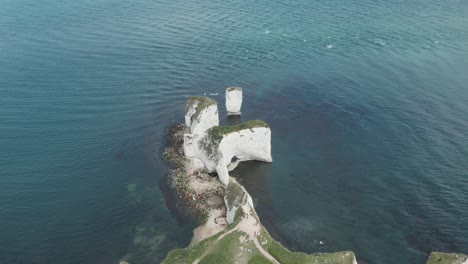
{"x":234,"y":100}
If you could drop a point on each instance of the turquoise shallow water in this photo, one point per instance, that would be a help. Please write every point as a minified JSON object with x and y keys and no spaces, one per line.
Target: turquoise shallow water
{"x":367,"y":101}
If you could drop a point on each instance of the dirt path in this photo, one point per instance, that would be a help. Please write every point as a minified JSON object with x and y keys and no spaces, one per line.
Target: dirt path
{"x":252,"y":228}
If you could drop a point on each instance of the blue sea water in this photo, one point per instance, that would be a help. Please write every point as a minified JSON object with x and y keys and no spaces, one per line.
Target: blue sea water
{"x":367,"y":101}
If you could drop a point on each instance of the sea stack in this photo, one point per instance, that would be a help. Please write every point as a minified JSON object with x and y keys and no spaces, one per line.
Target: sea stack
{"x":233,"y":100}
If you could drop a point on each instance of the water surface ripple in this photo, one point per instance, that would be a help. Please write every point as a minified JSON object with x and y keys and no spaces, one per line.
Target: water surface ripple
{"x":367,"y":101}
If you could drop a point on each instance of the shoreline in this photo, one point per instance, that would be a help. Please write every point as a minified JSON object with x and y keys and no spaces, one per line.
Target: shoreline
{"x":253,"y":236}
{"x":202,"y":153}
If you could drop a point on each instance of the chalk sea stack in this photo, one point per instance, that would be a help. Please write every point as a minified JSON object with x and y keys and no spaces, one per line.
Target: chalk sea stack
{"x":233,"y":100}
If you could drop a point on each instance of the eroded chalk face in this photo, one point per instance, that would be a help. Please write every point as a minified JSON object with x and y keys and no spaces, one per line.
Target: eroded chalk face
{"x":201,"y":114}
{"x":234,"y":100}
{"x":214,"y":147}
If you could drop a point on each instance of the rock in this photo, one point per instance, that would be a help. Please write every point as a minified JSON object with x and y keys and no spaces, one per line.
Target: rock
{"x":201,"y":113}
{"x":234,"y":198}
{"x":221,"y":148}
{"x":234,"y":100}
{"x":247,"y":141}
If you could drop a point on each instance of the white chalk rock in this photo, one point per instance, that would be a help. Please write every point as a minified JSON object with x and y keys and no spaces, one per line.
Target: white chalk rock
{"x":201,"y":114}
{"x":218,"y":148}
{"x":233,"y":100}
{"x":252,"y":143}
{"x":223,"y":148}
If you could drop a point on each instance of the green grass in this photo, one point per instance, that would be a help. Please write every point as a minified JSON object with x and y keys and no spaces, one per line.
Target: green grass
{"x":259,"y":259}
{"x":234,"y":193}
{"x":234,"y":89}
{"x":446,"y":258}
{"x":217,"y":133}
{"x":283,"y":255}
{"x":202,"y":102}
{"x":190,"y":254}
{"x":225,"y":250}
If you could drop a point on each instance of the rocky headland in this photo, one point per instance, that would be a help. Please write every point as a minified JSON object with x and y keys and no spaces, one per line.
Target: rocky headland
{"x":231,"y":231}
{"x":202,"y":154}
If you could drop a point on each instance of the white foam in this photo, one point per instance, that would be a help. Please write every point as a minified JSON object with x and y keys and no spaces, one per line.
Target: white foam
{"x":380,"y":42}
{"x":267,"y":31}
{"x":213,"y":93}
{"x":329,"y":46}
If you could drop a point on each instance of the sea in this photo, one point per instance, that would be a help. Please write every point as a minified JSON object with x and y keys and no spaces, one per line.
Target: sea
{"x":367,"y":102}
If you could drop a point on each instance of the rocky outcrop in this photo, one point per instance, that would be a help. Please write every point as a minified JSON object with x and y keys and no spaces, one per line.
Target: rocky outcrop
{"x":248,"y":141}
{"x":233,"y":100}
{"x":201,"y":114}
{"x":221,"y":148}
{"x":447,"y":258}
{"x":235,"y":197}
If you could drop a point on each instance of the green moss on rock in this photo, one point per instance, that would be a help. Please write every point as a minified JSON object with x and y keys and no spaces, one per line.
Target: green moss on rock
{"x":234,"y":89}
{"x":446,"y":258}
{"x":235,"y":195}
{"x":201,"y":103}
{"x":217,"y":133}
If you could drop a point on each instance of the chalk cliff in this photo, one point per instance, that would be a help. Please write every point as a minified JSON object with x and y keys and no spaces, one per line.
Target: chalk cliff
{"x":201,"y":113}
{"x":221,"y":148}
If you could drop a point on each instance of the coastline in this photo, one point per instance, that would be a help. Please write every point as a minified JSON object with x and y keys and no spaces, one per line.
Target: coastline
{"x":252,"y":243}
{"x":202,"y":153}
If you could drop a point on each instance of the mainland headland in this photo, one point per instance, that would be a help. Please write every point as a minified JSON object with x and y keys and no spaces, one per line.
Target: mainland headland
{"x":202,"y":154}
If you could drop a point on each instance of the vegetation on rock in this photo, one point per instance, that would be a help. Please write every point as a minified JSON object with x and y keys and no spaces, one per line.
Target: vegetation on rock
{"x":234,"y":89}
{"x":447,"y":258}
{"x":235,"y":195}
{"x":201,"y":103}
{"x":218,"y":132}
{"x":283,"y":255}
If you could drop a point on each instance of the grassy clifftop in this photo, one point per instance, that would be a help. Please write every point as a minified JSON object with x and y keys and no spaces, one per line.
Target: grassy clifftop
{"x":446,"y":258}
{"x":232,"y":248}
{"x":201,"y":103}
{"x":217,"y":133}
{"x":283,"y":255}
